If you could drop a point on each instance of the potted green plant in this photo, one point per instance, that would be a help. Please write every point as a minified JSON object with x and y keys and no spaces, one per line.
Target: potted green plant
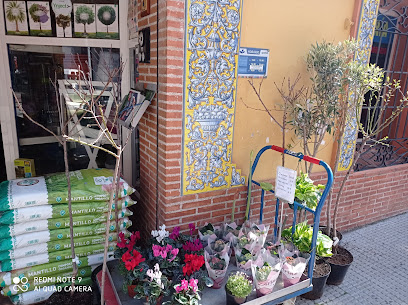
{"x":216,"y":265}
{"x":265,"y":272}
{"x":306,"y":192}
{"x":302,"y":239}
{"x":238,"y":288}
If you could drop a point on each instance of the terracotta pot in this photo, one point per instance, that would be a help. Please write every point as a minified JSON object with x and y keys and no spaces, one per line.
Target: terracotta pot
{"x":131,"y":290}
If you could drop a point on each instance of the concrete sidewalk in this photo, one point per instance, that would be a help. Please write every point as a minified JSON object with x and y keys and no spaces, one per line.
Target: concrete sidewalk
{"x":379,"y":272}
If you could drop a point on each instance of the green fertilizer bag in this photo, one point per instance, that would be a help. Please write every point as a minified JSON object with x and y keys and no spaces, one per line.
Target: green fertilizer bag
{"x":55,"y":246}
{"x":7,"y":231}
{"x":43,"y":293}
{"x":44,"y":258}
{"x":87,"y":185}
{"x":30,"y":239}
{"x":39,"y":282}
{"x":51,"y":269}
{"x":60,"y":211}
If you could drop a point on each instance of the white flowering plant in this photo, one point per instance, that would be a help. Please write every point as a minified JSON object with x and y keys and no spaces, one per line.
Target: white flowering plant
{"x":155,"y":286}
{"x":160,"y":236}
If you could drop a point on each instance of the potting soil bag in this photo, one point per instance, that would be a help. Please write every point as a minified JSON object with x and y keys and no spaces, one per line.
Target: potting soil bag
{"x":35,"y":238}
{"x":265,"y":272}
{"x":60,"y":211}
{"x":43,"y":294}
{"x":55,"y":246}
{"x":39,"y":282}
{"x":51,"y":269}
{"x":44,"y":258}
{"x":7,"y":231}
{"x":86,"y":185}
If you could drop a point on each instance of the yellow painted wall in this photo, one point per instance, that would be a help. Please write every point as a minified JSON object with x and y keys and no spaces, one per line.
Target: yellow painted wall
{"x":287,"y":29}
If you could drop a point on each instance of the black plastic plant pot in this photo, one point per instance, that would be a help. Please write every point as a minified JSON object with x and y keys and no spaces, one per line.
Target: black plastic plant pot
{"x":323,"y":229}
{"x":338,"y":271}
{"x":318,"y":287}
{"x":231,"y":300}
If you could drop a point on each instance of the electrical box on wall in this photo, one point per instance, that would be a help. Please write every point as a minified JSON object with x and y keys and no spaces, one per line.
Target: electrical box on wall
{"x":144,"y":45}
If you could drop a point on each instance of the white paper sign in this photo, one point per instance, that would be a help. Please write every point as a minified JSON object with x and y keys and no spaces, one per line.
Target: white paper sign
{"x":285,"y":184}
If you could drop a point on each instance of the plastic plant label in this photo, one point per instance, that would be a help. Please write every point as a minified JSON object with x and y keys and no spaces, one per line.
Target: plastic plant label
{"x":285,"y":184}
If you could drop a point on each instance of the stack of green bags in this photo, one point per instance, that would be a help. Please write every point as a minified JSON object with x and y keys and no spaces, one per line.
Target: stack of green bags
{"x":35,"y":230}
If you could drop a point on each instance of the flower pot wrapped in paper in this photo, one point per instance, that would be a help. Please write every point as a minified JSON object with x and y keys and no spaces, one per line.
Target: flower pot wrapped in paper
{"x":259,"y":233}
{"x":265,"y":272}
{"x":209,"y":231}
{"x":218,"y":245}
{"x":231,"y":232}
{"x":244,"y":258}
{"x":294,"y":265}
{"x":216,"y":266}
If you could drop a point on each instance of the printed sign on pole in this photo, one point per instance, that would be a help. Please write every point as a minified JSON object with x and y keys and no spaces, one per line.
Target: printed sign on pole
{"x":285,"y":184}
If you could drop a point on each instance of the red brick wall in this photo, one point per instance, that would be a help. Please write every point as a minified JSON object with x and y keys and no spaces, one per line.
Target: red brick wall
{"x":170,"y":108}
{"x":369,"y":195}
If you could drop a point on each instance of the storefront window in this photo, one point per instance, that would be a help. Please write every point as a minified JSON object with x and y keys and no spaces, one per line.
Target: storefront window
{"x":33,"y":70}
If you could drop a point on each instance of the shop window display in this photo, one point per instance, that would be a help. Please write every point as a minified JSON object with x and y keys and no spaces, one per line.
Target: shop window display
{"x":33,"y":68}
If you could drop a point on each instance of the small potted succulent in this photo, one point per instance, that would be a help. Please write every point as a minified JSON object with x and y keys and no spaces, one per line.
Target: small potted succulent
{"x":244,"y":258}
{"x":219,"y":246}
{"x":265,"y":272}
{"x":238,"y":288}
{"x":207,"y":232}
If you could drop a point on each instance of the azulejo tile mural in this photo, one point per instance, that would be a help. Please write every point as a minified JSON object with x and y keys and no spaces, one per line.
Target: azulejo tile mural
{"x":365,"y":36}
{"x":212,"y":44}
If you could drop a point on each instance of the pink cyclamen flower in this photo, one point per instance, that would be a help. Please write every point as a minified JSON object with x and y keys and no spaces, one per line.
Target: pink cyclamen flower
{"x":156,"y":250}
{"x":174,"y":252}
{"x":163,"y":253}
{"x":175,"y":234}
{"x":184,"y":285}
{"x":194,"y":284}
{"x":178,"y":288}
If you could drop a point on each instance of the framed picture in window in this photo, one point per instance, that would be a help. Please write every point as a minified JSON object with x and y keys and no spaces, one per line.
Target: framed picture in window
{"x":145,"y":7}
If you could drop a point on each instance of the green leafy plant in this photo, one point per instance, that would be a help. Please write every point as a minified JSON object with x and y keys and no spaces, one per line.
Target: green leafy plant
{"x":302,"y":239}
{"x":107,"y":15}
{"x":15,"y":13}
{"x":263,"y":272}
{"x":239,"y":285}
{"x":306,"y":192}
{"x":244,"y":257}
{"x":84,"y":15}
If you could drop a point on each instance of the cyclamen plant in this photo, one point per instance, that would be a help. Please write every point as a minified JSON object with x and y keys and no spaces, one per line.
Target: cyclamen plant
{"x":193,"y":246}
{"x":160,"y":235}
{"x":166,"y":257}
{"x":193,"y":263}
{"x":187,"y":293}
{"x":153,"y":288}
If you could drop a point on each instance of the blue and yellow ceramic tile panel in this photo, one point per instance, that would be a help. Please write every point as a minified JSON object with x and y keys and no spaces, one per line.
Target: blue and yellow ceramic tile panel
{"x":365,"y":35}
{"x":212,"y":44}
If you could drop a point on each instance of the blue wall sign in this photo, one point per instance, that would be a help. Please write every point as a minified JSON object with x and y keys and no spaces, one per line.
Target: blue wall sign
{"x":253,"y":62}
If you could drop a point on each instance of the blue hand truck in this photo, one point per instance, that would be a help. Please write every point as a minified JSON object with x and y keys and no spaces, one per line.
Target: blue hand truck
{"x":304,"y":285}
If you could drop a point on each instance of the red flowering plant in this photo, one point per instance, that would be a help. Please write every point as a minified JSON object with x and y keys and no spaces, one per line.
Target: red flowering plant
{"x":132,"y":265}
{"x":193,"y":268}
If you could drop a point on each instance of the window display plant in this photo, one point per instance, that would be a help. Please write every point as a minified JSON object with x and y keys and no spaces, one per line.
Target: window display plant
{"x":238,"y":288}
